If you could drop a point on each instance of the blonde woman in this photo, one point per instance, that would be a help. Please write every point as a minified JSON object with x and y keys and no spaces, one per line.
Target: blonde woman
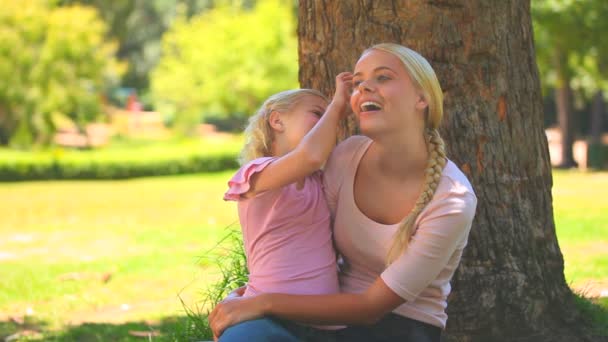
{"x":401,"y":213}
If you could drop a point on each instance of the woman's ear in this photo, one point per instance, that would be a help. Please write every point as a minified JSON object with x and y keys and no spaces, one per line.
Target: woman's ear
{"x":421,"y":104}
{"x":276,"y":122}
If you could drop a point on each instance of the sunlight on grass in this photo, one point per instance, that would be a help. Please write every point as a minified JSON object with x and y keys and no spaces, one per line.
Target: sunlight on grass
{"x":581,"y":220}
{"x":118,"y":253}
{"x":108,"y":250}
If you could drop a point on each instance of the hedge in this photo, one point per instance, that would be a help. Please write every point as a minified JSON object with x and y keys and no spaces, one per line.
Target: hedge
{"x":49,"y":169}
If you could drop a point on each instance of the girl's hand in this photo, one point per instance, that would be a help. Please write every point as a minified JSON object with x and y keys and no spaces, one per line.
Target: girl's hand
{"x":232,"y":311}
{"x":344,"y":83}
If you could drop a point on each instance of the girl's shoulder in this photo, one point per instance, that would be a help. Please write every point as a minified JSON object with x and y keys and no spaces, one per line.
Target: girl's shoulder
{"x":239,"y":183}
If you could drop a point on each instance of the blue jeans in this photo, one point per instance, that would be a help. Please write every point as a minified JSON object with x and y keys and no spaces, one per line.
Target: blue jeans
{"x":392,"y":327}
{"x":263,"y":329}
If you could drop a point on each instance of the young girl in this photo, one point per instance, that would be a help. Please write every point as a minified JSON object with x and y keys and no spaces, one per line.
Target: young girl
{"x":283,"y":213}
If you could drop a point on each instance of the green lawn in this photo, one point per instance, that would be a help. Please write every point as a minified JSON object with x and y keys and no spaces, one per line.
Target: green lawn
{"x":581,"y":219}
{"x":107,"y":251}
{"x":118,"y":253}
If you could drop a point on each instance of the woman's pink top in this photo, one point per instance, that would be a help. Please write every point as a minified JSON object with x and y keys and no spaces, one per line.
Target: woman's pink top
{"x":287,"y":235}
{"x":422,"y":274}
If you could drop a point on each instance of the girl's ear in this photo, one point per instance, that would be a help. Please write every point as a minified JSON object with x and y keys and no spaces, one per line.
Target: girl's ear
{"x":276,"y":122}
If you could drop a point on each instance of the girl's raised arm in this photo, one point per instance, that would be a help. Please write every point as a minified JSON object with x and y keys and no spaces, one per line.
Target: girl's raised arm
{"x":312,"y":151}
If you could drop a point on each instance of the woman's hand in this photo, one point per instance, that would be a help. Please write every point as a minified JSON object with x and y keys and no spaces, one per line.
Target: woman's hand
{"x":238,"y":292}
{"x":234,"y":310}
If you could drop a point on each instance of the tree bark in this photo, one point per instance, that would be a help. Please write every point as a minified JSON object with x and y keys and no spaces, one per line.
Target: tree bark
{"x":563,"y":101}
{"x":597,"y":115}
{"x":510,"y":284}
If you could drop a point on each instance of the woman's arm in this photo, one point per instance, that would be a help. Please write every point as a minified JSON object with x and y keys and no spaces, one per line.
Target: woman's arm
{"x":312,"y":151}
{"x":448,"y":222}
{"x":345,"y":308}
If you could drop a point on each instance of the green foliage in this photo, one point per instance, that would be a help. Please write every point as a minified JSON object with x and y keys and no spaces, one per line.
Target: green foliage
{"x":120,"y":163}
{"x":53,"y":61}
{"x":226,"y":61}
{"x":571,"y":45}
{"x":229,"y":256}
{"x":138,"y":27}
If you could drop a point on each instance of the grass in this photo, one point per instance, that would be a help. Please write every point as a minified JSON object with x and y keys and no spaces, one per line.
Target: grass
{"x":108,"y":251}
{"x":106,"y":260}
{"x":581,"y":219}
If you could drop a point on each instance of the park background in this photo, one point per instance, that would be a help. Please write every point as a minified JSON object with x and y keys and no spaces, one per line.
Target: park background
{"x":99,"y":99}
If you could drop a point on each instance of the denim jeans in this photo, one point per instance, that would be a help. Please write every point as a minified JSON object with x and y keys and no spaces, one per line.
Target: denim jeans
{"x":392,"y":327}
{"x":273,"y":329}
{"x":258,"y":330}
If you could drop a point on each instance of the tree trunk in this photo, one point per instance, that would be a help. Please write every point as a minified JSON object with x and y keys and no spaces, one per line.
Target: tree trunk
{"x":597,"y":117}
{"x":510,"y":284}
{"x":563,"y":101}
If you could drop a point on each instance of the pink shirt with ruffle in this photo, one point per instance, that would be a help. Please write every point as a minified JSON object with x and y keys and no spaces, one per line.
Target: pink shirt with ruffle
{"x":287,"y":235}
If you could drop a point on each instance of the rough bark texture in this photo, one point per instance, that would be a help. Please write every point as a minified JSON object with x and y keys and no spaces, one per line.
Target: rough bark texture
{"x":510,"y":284}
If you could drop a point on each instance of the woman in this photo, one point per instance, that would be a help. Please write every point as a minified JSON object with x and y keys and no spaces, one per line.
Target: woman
{"x":402,"y":213}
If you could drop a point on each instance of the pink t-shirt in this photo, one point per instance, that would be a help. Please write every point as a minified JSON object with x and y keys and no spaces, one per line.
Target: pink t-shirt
{"x":287,"y":235}
{"x":422,"y":274}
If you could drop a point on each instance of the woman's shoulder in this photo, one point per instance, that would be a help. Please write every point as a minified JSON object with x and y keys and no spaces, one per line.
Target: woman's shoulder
{"x":345,"y":153}
{"x":343,"y":161}
{"x":454,"y":200}
{"x":454,"y":180}
{"x":350,"y":146}
{"x":454,"y":191}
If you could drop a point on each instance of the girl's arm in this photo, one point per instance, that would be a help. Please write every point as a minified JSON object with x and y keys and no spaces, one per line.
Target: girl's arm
{"x":312,"y":151}
{"x":344,"y":308}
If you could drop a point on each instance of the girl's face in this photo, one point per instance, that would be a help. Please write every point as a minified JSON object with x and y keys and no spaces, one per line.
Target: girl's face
{"x":385,"y":99}
{"x":302,"y":117}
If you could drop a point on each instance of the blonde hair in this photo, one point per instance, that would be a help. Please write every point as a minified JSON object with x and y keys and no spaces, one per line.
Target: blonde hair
{"x":424,"y":78}
{"x":258,"y":134}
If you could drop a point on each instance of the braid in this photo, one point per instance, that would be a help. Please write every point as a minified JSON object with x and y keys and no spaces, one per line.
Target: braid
{"x":437,"y":161}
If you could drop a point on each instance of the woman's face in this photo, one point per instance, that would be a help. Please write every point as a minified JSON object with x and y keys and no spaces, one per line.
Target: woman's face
{"x":384,"y":98}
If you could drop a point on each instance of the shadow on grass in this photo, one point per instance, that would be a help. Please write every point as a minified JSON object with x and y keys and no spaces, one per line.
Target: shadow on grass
{"x":173,"y":328}
{"x":595,"y":311}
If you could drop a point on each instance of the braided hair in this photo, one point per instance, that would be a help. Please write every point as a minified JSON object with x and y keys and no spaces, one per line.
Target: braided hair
{"x":426,"y":81}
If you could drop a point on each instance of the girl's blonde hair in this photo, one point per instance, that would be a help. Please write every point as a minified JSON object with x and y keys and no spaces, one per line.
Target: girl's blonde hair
{"x":424,"y":78}
{"x":259,"y":134}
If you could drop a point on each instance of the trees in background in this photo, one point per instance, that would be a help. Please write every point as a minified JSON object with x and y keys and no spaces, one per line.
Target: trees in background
{"x":58,"y":58}
{"x":222,"y":57}
{"x":54,"y":62}
{"x":572,"y":53}
{"x":226,"y":61}
{"x":137,"y":26}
